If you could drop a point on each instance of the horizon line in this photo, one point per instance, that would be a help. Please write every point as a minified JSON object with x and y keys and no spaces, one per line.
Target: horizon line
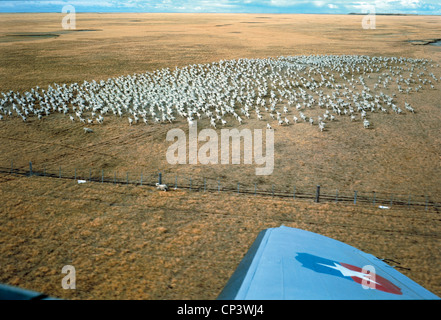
{"x":208,"y":12}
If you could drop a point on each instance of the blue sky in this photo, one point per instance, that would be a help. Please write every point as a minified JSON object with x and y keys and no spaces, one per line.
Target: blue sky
{"x":227,"y":6}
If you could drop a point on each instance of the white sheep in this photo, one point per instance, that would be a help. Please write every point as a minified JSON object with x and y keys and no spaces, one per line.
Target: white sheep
{"x":409,"y":107}
{"x":162,"y":187}
{"x":366,"y":123}
{"x":160,"y":95}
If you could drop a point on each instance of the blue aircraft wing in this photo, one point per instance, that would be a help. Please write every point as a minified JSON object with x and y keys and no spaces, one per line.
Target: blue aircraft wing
{"x":8,"y":292}
{"x":293,"y":264}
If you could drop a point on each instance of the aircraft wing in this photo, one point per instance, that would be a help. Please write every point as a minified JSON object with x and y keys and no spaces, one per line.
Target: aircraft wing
{"x":8,"y":292}
{"x":293,"y":264}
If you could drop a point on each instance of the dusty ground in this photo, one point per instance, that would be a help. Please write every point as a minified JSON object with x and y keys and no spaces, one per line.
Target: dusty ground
{"x":131,"y":242}
{"x":136,"y":243}
{"x":123,"y":44}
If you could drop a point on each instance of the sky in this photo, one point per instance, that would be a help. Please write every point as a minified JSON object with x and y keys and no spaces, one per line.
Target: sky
{"x":424,"y":7}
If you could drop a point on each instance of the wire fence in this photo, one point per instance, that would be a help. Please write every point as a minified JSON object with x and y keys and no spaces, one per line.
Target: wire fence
{"x":384,"y":200}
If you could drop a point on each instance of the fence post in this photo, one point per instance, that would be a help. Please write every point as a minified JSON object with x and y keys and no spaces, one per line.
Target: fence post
{"x":355,"y":197}
{"x":218,"y":186}
{"x":273,"y":191}
{"x":114,"y":177}
{"x":160,"y":178}
{"x":90,"y":175}
{"x":176,"y":182}
{"x":190,"y":184}
{"x":255,"y":188}
{"x":238,"y":188}
{"x":294,"y":194}
{"x":102,"y":175}
{"x":374,"y":198}
{"x":141,"y":178}
{"x":317,"y":194}
{"x":391,"y":199}
{"x":426,"y":202}
{"x":336,"y":196}
{"x":75,"y":174}
{"x":127,"y":178}
{"x":30,"y":168}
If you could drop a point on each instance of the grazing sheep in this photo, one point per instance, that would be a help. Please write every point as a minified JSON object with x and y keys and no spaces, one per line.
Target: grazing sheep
{"x":366,"y":124}
{"x":409,"y":107}
{"x":224,"y":88}
{"x":162,"y":187}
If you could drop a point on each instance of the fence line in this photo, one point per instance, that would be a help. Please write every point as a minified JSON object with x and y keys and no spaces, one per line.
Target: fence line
{"x":316,"y":194}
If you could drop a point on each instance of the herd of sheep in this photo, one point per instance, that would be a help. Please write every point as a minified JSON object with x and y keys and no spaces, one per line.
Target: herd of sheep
{"x":280,"y":91}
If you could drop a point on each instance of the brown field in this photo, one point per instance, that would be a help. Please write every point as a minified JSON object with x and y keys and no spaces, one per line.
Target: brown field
{"x":130,"y":242}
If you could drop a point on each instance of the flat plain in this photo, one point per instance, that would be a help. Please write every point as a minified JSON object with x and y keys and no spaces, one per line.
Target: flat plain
{"x":132,"y":242}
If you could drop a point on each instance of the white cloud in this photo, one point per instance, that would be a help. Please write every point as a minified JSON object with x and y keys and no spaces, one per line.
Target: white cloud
{"x":410,"y":3}
{"x":388,"y":5}
{"x":280,"y":3}
{"x":319,"y":3}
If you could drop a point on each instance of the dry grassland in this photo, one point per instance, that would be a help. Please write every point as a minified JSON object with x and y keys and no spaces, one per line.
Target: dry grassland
{"x":130,"y":242}
{"x":136,"y":243}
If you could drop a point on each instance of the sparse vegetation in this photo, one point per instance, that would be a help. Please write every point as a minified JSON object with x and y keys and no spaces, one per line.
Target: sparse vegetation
{"x":140,"y":243}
